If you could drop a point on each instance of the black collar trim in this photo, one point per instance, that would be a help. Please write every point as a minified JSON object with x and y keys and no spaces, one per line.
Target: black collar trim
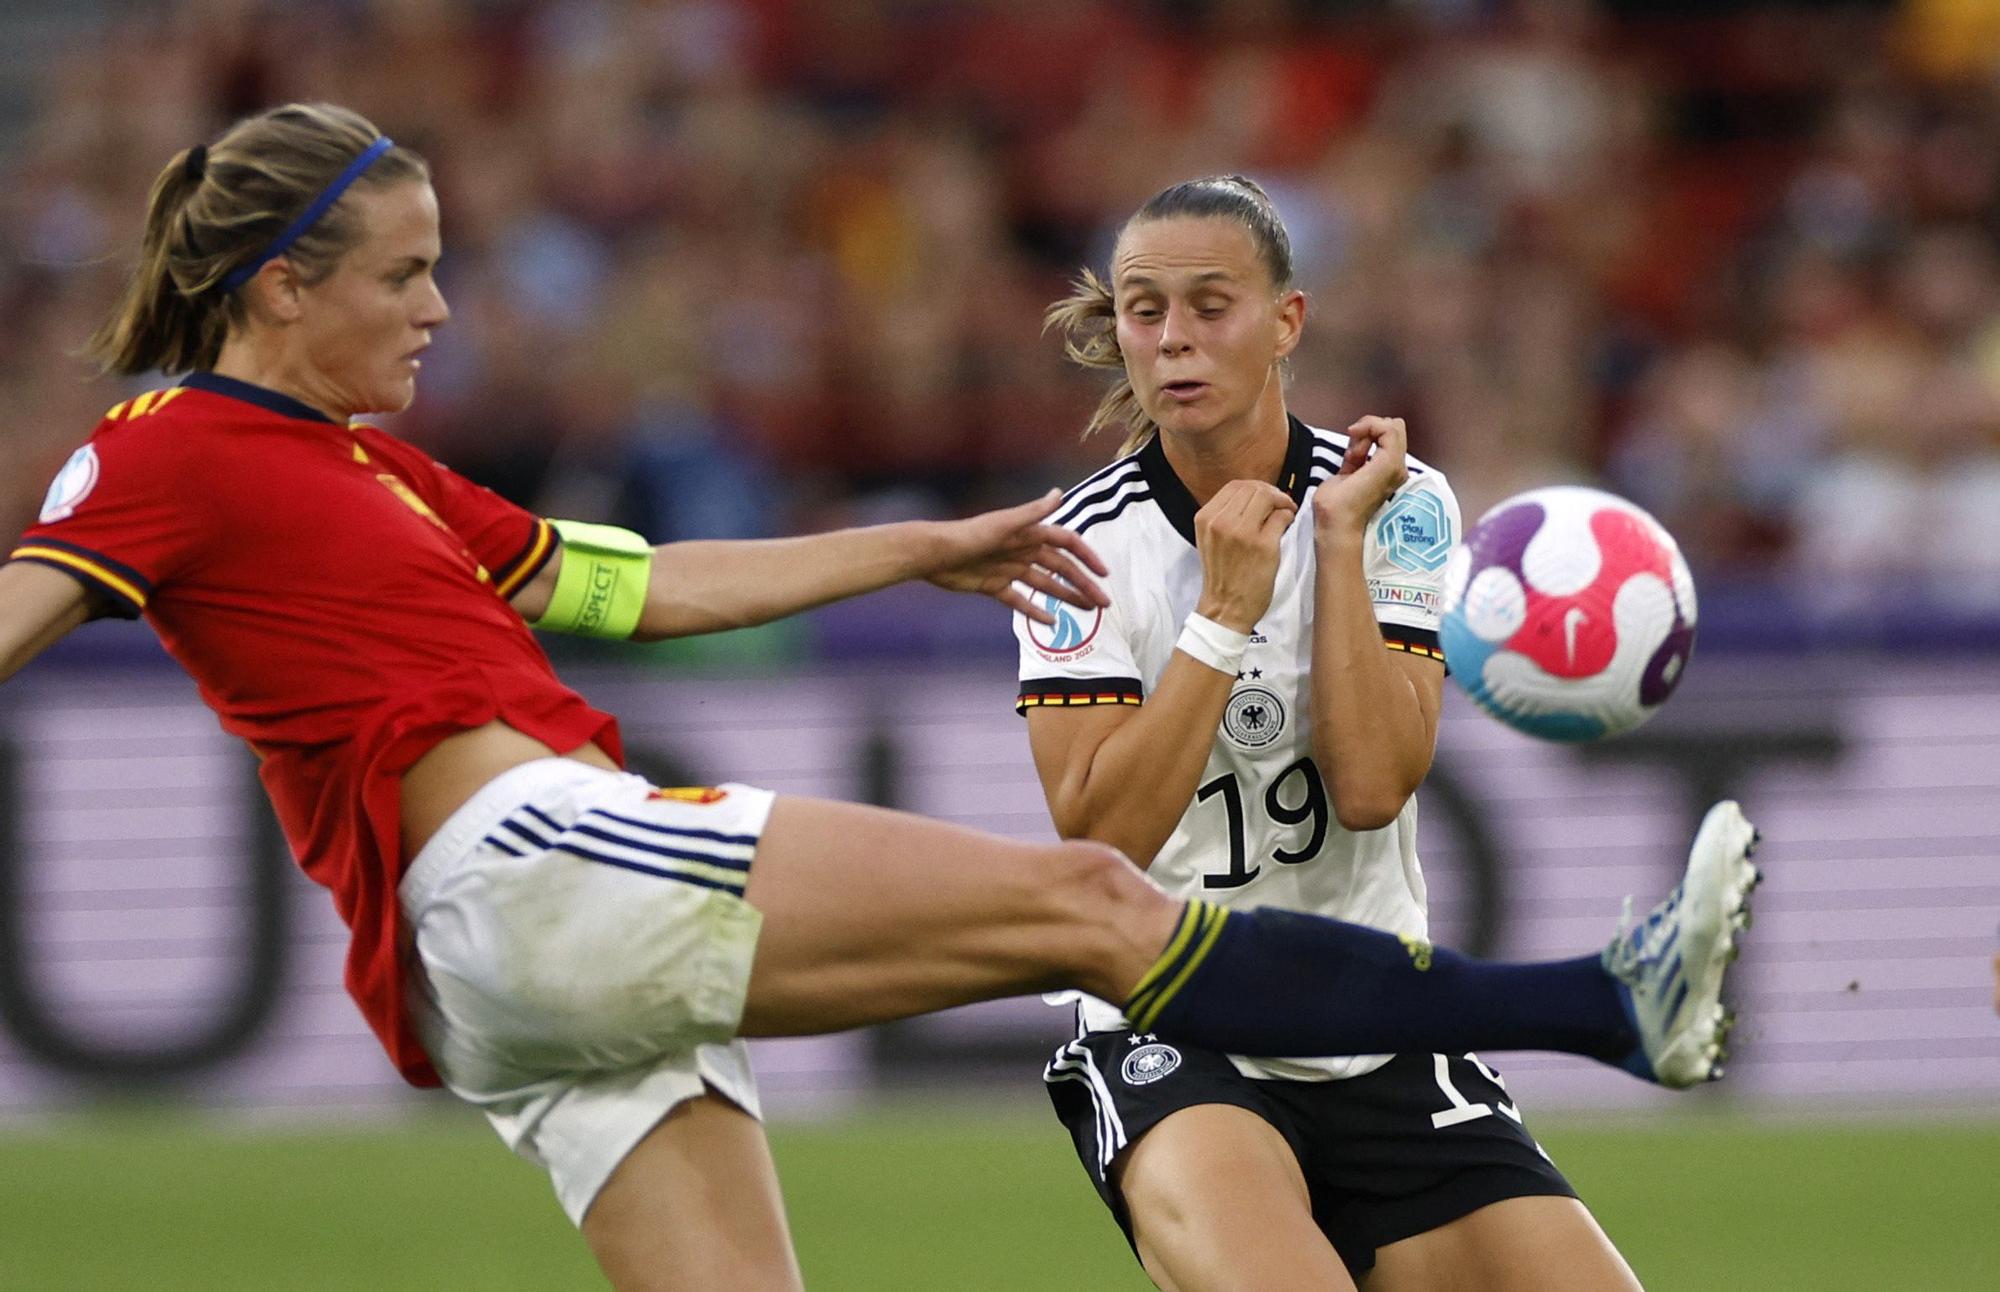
{"x":1177,"y":504}
{"x":269,"y":400}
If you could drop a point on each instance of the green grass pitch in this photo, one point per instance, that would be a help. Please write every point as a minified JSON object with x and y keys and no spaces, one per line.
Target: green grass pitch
{"x":931,"y":1199}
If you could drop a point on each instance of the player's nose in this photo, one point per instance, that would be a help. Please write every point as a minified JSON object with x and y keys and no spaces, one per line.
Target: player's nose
{"x":432,"y":309}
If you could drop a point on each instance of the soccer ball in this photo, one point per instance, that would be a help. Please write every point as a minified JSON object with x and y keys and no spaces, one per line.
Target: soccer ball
{"x":1568,"y":614}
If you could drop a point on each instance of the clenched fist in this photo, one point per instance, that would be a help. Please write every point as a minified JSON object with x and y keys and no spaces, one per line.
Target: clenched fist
{"x":1238,"y":534}
{"x":1375,"y":466}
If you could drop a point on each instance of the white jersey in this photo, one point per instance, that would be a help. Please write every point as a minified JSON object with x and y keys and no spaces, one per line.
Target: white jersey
{"x":1260,"y":830}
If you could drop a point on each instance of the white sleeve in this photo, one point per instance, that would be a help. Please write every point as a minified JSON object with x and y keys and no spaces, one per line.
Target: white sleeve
{"x":1083,"y":659}
{"x":1408,"y":543}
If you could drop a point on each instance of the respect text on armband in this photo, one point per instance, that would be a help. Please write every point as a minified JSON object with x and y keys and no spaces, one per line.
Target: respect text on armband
{"x":597,"y":601}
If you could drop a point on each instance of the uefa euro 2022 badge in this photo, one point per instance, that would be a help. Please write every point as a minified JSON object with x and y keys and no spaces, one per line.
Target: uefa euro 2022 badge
{"x":71,"y":486}
{"x":1254,"y":717}
{"x":1149,"y":1063}
{"x":1070,"y":636}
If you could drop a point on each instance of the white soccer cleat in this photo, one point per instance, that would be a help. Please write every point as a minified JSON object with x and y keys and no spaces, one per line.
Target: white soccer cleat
{"x":1669,"y":967}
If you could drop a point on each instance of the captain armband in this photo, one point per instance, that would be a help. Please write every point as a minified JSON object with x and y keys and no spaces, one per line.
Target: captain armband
{"x":601,"y":587}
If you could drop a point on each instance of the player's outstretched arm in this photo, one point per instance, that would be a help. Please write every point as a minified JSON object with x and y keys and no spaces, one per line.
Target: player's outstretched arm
{"x":704,"y":587}
{"x":38,"y":608}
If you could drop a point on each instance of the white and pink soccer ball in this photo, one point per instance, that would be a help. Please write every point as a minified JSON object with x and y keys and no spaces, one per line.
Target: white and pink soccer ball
{"x":1568,"y":614}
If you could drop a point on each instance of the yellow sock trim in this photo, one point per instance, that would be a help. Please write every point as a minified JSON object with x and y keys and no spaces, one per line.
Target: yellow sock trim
{"x":1189,"y":947}
{"x":1183,"y":932}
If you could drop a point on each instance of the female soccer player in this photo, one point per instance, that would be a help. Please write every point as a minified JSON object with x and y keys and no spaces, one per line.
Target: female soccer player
{"x":570,"y":949}
{"x":1249,"y":718}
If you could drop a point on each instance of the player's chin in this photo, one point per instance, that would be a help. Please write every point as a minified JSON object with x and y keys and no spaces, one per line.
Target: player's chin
{"x":394,"y":394}
{"x":1187,"y":419}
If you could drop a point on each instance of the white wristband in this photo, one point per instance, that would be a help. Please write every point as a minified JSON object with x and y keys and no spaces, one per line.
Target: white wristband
{"x":1214,"y":645}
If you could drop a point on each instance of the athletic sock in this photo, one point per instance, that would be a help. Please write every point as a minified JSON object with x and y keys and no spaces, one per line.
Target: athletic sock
{"x":1279,"y":983}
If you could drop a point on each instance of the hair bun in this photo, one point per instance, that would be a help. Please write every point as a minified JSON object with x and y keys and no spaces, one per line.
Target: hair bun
{"x":196,"y":164}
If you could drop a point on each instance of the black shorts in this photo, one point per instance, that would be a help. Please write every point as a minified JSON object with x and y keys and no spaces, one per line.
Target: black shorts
{"x":1411,"y":1146}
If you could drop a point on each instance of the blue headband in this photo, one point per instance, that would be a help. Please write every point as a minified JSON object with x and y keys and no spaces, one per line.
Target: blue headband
{"x":309,"y":217}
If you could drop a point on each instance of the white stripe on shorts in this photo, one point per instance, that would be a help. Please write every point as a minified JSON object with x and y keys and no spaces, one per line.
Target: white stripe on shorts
{"x":1074,"y":1063}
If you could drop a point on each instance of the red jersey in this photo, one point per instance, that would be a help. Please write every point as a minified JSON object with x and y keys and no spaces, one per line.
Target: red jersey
{"x":341,"y":601}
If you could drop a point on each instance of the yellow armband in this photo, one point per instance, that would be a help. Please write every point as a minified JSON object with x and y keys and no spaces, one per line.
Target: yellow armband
{"x":601,"y":588}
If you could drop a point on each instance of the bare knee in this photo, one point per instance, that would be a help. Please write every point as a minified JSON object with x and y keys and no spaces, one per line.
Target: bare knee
{"x":1094,"y":885}
{"x":1113,"y":920}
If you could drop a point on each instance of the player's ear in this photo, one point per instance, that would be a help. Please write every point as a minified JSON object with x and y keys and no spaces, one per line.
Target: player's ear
{"x":1291,"y":321}
{"x":276,"y":291}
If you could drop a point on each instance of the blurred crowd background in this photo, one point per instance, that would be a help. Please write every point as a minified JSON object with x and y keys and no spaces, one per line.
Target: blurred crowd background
{"x":735,"y":267}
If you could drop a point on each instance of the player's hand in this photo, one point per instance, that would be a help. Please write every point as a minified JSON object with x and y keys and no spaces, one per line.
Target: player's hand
{"x":1375,"y":466}
{"x":1238,"y":534}
{"x":998,"y":553}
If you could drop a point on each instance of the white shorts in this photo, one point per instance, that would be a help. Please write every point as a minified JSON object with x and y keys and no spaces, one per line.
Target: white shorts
{"x":582,"y":952}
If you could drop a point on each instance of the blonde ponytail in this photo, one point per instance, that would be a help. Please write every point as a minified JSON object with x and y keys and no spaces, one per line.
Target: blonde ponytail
{"x":160,"y":323}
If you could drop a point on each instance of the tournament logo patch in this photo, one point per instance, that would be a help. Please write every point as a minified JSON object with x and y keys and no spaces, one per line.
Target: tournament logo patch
{"x":1070,"y":634}
{"x":1150,"y":1063}
{"x":1254,"y":717}
{"x":703,"y":794}
{"x":1415,"y":532}
{"x":71,"y":486}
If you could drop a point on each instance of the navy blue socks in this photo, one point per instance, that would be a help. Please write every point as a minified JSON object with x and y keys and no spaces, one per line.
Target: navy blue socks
{"x":1279,"y":983}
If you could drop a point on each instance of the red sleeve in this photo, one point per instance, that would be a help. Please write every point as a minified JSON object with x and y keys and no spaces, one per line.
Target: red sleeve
{"x":511,"y":542}
{"x":117,"y":518}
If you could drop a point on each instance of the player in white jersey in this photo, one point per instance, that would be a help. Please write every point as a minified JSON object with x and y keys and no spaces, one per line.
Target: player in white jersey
{"x":1262,"y":829}
{"x":1249,"y":718}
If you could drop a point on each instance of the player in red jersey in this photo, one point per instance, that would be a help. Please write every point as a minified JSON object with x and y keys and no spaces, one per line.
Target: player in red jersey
{"x":568,"y":948}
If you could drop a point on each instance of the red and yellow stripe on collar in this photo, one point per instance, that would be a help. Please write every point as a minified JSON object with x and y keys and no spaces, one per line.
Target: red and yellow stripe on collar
{"x":150,"y":402}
